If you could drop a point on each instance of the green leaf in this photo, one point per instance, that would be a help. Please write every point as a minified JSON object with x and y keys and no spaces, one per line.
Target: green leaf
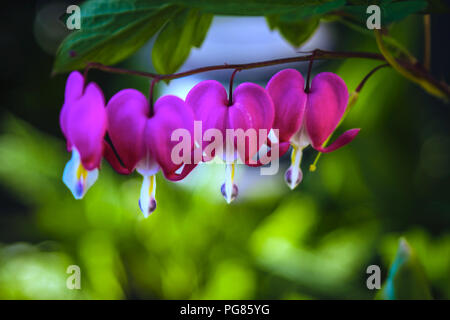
{"x":173,"y":44}
{"x":406,"y":279}
{"x":315,"y":10}
{"x":255,"y":7}
{"x":399,"y":10}
{"x":111,"y":30}
{"x":296,"y":33}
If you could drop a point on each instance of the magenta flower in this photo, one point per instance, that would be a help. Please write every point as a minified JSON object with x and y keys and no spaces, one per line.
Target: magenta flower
{"x":83,"y":122}
{"x":242,"y":119}
{"x":305,"y":118}
{"x":143,"y":140}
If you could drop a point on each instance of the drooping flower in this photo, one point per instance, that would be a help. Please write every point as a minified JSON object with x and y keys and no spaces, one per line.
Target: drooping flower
{"x":143,"y":140}
{"x":250,"y":111}
{"x":308,"y":118}
{"x":83,"y":123}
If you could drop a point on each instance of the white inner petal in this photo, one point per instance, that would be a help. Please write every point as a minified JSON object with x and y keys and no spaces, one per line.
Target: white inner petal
{"x":73,"y":177}
{"x":147,"y":197}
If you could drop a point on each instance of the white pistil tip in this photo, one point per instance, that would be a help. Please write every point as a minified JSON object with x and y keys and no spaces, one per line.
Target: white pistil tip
{"x":147,"y":201}
{"x":294,"y":174}
{"x":229,"y":190}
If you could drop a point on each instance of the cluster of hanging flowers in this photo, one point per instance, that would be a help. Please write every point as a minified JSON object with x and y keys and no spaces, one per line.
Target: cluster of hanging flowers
{"x":141,"y":135}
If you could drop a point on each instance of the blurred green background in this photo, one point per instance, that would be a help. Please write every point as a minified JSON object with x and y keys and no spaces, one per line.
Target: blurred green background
{"x":272,"y":243}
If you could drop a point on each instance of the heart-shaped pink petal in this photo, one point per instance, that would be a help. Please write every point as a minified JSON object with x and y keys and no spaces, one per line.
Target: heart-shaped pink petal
{"x":74,"y":90}
{"x":85,"y":124}
{"x":325,"y":106}
{"x":128,"y":113}
{"x":209,"y":100}
{"x":286,"y":88}
{"x":251,"y":108}
{"x":171,"y":113}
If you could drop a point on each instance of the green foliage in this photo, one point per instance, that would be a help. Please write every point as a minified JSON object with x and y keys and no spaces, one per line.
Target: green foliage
{"x":296,"y":33}
{"x":406,"y":278}
{"x":257,"y":7}
{"x":188,"y":28}
{"x":111,"y":30}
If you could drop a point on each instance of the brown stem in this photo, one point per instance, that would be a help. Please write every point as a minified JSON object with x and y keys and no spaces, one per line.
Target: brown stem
{"x":308,"y":77}
{"x":230,"y":93}
{"x":317,"y":54}
{"x":150,"y":95}
{"x":361,"y":84}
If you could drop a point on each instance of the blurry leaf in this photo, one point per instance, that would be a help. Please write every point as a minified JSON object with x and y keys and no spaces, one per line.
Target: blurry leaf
{"x":111,"y":31}
{"x":296,"y":33}
{"x":406,"y":278}
{"x":29,"y":160}
{"x":188,"y":28}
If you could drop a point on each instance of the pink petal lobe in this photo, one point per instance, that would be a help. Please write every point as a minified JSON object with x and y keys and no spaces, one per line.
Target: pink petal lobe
{"x":111,"y":157}
{"x":252,"y":109}
{"x":341,"y":141}
{"x":74,"y":86}
{"x":209,"y":100}
{"x":74,"y":90}
{"x":286,"y":89}
{"x":128,"y":113}
{"x":325,"y":106}
{"x":86,"y":125}
{"x":171,"y":113}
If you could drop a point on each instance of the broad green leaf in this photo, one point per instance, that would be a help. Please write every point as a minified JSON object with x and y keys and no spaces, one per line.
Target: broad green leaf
{"x":307,"y":11}
{"x":254,"y":7}
{"x":399,"y":10}
{"x":406,"y":279}
{"x":173,"y":44}
{"x":111,"y":30}
{"x":296,"y":33}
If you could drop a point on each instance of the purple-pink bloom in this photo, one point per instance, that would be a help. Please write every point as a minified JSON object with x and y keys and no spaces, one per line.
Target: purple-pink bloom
{"x":143,"y":141}
{"x":83,"y":123}
{"x":305,"y":118}
{"x":250,"y":109}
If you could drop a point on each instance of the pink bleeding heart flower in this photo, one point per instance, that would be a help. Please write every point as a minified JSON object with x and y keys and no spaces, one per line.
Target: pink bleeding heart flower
{"x":143,"y":141}
{"x":250,"y":111}
{"x":305,"y":118}
{"x":83,"y":123}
